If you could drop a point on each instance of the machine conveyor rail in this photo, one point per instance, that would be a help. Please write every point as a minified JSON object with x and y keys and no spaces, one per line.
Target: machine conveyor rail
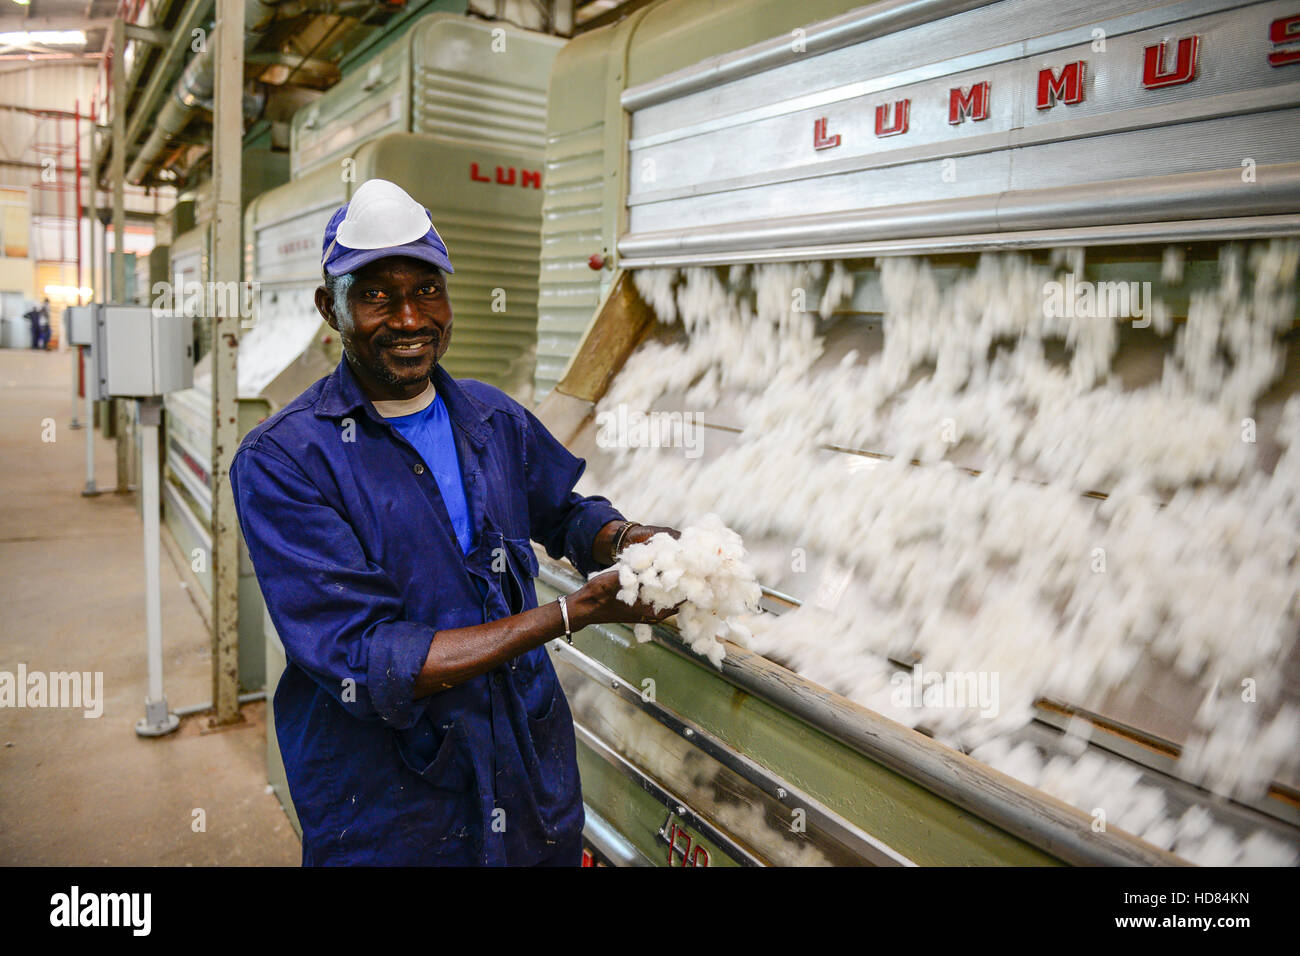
{"x":843,"y":831}
{"x":1028,"y":814}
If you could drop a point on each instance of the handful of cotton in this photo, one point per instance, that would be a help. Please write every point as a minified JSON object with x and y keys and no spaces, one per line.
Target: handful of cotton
{"x":706,"y":568}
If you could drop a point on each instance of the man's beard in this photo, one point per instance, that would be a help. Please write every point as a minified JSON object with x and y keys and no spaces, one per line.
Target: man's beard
{"x":380,"y":372}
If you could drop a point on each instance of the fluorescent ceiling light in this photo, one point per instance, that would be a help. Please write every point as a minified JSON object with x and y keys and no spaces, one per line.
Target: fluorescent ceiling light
{"x":44,"y":37}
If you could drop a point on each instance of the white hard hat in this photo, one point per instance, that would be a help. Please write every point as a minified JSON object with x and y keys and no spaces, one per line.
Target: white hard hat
{"x":381,"y":214}
{"x":381,"y":220}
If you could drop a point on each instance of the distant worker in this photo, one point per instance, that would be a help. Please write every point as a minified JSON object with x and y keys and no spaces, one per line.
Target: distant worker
{"x":44,"y":325}
{"x":33,"y":317}
{"x":388,"y":511}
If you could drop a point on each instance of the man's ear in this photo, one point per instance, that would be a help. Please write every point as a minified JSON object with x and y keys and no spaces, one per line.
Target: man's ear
{"x":325,"y":306}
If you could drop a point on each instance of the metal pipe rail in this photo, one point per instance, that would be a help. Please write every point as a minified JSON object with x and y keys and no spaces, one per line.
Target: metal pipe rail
{"x":1119,"y":211}
{"x":831,"y":823}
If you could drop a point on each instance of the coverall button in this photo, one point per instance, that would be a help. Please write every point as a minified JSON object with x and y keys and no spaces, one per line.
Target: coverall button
{"x":417,"y":468}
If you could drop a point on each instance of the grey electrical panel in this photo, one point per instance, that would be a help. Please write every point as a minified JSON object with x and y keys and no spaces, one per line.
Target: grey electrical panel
{"x":81,"y":324}
{"x":143,"y":352}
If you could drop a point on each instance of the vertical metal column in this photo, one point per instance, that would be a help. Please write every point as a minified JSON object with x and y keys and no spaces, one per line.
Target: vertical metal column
{"x":118,"y":176}
{"x":74,"y":350}
{"x":158,"y":718}
{"x":562,"y":17}
{"x":107,"y":423}
{"x":76,"y":166}
{"x":96,"y":295}
{"x":228,"y":136}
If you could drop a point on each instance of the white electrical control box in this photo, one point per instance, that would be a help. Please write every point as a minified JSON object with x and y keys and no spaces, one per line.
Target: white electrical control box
{"x":143,"y":352}
{"x":81,"y":324}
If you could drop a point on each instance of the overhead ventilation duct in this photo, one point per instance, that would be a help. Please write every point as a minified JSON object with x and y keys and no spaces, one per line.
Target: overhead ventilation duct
{"x":194,"y":88}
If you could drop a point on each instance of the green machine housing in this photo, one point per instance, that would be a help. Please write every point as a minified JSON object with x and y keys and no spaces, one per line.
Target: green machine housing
{"x":657,"y":155}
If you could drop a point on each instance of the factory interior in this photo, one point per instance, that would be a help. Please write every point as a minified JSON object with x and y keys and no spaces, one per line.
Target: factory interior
{"x":954,"y":342}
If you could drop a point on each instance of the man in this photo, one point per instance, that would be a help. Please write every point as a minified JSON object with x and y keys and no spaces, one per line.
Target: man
{"x":33,"y":317}
{"x":44,"y":323}
{"x":388,"y":512}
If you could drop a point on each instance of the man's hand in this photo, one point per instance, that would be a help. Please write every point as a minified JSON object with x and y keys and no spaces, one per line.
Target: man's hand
{"x":458,"y":654}
{"x":597,"y":602}
{"x":644,"y":532}
{"x":602,"y":548}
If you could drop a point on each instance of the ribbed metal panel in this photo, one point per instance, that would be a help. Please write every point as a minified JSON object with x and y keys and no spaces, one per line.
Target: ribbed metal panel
{"x":189,"y":448}
{"x":480,"y":83}
{"x":370,"y":102}
{"x":491,"y":252}
{"x":569,"y":289}
{"x":479,"y":110}
{"x":735,"y":167}
{"x":187,"y":444}
{"x":288,"y":226}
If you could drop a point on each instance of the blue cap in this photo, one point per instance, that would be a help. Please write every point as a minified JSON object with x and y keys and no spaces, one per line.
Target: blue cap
{"x":339,"y":259}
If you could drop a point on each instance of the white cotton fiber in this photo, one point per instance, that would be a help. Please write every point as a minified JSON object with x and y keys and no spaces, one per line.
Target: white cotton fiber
{"x":706,"y":568}
{"x":1190,"y":566}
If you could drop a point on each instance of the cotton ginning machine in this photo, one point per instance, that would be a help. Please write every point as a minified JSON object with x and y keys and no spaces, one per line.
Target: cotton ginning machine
{"x":977,"y":320}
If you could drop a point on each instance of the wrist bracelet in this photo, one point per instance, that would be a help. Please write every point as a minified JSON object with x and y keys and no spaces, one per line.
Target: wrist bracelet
{"x":618,"y":538}
{"x":564,"y":611}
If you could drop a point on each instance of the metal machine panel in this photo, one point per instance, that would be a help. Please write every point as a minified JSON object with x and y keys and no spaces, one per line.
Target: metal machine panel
{"x":479,"y":95}
{"x":285,"y":230}
{"x":81,"y":324}
{"x":448,"y":75}
{"x":490,"y":225}
{"x":586,"y":159}
{"x":569,"y":288}
{"x":369,"y":102}
{"x":187,"y":256}
{"x":143,"y":353}
{"x":1124,"y":93}
{"x":461,"y":90}
{"x":773,"y":153}
{"x":187,"y":504}
{"x":582,"y":155}
{"x":187,"y":496}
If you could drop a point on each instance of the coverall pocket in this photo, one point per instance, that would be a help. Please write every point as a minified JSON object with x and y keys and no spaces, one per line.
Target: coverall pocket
{"x":547,"y":708}
{"x":447,"y":827}
{"x":522,"y":567}
{"x":444,"y":766}
{"x":555,"y":774}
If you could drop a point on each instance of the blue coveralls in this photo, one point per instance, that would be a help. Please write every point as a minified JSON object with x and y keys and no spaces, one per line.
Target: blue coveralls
{"x":360,"y":566}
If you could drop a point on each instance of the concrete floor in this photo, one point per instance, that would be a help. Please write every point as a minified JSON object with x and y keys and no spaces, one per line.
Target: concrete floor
{"x":88,"y":791}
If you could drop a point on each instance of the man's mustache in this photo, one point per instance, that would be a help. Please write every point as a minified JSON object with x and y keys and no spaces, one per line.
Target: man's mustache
{"x":432,"y":335}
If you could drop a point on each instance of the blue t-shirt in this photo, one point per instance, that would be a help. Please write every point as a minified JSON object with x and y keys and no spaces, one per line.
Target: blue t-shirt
{"x":429,"y":433}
